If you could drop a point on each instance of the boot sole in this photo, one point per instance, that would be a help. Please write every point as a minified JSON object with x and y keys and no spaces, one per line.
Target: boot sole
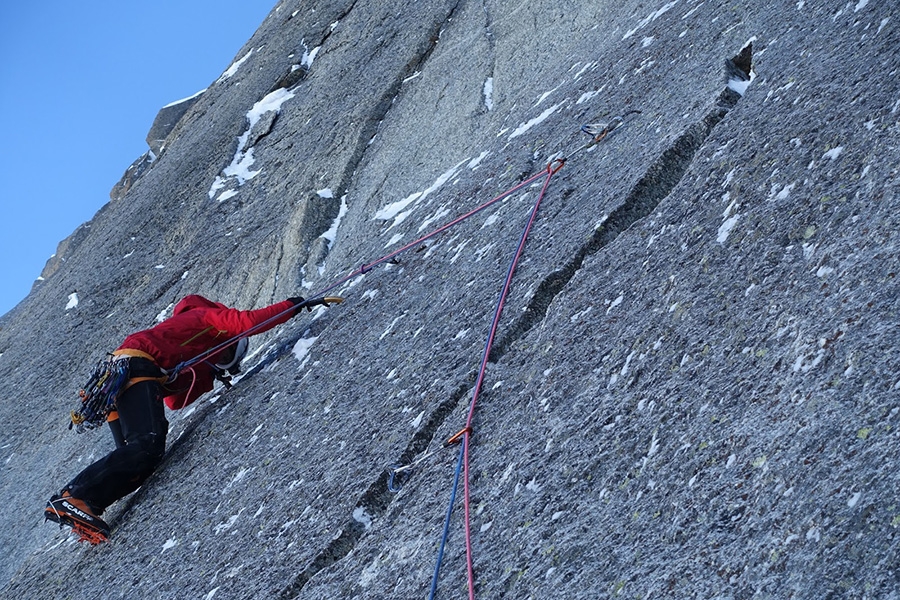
{"x":84,"y":531}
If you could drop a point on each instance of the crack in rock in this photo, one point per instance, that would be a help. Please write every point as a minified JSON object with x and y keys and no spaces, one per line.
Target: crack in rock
{"x":659,"y":180}
{"x":370,"y":124}
{"x":376,"y":500}
{"x":657,"y":183}
{"x":370,"y":127}
{"x":298,"y":73}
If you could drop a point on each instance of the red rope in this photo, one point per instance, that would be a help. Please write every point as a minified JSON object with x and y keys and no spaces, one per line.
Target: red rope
{"x":551,"y":170}
{"x":367,"y":267}
{"x":360,"y":271}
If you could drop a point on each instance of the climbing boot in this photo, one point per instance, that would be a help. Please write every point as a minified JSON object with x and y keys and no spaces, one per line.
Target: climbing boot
{"x":76,"y":514}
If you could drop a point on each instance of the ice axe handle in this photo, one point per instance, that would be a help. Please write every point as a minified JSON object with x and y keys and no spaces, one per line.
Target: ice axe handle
{"x":325,"y":301}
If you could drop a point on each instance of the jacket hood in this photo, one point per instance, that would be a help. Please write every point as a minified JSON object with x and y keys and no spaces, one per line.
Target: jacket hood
{"x":195,"y":301}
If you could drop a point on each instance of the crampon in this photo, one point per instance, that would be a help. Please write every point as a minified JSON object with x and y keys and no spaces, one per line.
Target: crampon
{"x":89,"y":535}
{"x":84,"y":533}
{"x":87,"y":527}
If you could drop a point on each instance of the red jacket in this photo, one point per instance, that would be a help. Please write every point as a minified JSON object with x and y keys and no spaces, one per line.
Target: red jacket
{"x":197,"y":325}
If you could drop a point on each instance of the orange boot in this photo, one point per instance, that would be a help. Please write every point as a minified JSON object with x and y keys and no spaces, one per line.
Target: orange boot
{"x":75,"y":513}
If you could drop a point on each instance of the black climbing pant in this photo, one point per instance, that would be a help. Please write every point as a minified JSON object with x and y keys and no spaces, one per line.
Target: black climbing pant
{"x":140,"y":436}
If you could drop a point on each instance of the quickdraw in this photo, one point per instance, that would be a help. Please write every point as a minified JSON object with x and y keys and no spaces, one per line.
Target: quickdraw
{"x":598,"y":131}
{"x":457,"y":437}
{"x":395,"y":481}
{"x":98,"y":398}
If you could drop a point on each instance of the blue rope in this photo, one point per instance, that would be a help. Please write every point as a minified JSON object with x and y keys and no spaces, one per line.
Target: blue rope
{"x":440,"y":558}
{"x":481,"y":372}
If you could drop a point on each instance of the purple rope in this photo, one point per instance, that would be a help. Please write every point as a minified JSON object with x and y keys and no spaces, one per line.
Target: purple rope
{"x":362,"y":270}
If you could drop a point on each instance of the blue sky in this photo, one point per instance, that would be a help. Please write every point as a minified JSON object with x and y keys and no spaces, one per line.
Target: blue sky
{"x":80,"y":85}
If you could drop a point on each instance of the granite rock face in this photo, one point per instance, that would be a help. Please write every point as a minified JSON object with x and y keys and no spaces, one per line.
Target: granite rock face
{"x":166,"y":120}
{"x":694,"y":390}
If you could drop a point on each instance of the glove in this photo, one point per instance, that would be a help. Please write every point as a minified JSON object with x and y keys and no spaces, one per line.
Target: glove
{"x":222,"y":376}
{"x":300,"y":304}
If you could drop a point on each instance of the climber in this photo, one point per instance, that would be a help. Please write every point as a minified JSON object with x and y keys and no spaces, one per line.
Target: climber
{"x":138,"y":422}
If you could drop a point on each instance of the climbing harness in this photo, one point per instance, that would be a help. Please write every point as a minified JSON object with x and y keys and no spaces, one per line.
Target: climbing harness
{"x":98,"y":398}
{"x":109,"y":379}
{"x":111,"y":375}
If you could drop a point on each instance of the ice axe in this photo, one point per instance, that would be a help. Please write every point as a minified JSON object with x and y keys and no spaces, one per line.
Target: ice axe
{"x":322,"y":301}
